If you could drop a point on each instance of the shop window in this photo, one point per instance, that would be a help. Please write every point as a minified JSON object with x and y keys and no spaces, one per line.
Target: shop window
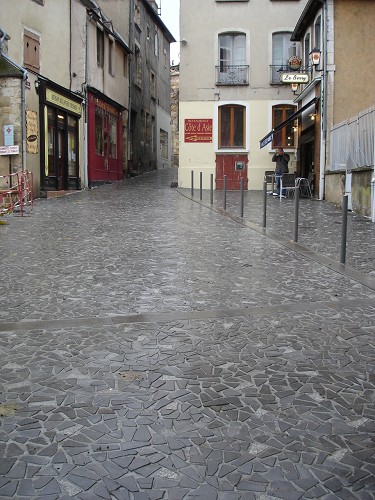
{"x":232,"y":126}
{"x":50,"y":167}
{"x":283,"y":138}
{"x":99,"y":125}
{"x":72,"y":146}
{"x":112,"y":136}
{"x":31,"y":51}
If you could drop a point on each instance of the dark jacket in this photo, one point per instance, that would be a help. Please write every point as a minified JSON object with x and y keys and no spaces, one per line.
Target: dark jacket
{"x":281,"y":163}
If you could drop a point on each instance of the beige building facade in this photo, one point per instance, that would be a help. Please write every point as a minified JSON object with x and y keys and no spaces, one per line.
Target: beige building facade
{"x":232,"y":58}
{"x":340,"y":145}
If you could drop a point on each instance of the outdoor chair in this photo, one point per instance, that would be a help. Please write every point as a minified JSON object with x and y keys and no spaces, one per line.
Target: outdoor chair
{"x":269,"y":177}
{"x":288,"y":185}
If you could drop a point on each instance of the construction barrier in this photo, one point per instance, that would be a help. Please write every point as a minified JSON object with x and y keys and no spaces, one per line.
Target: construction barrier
{"x":16,"y":193}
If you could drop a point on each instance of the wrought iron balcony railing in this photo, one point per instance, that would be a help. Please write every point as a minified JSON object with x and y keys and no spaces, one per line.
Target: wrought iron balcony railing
{"x":277,"y":69}
{"x":232,"y":75}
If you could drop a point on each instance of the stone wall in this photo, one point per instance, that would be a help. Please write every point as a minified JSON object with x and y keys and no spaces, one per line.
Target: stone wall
{"x":10,"y":114}
{"x":361,"y":191}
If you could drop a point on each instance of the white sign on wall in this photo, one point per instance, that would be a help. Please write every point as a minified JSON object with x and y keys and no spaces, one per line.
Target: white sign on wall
{"x":8,"y":135}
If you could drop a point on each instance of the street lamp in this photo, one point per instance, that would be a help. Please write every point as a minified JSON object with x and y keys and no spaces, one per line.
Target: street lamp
{"x":315,"y":57}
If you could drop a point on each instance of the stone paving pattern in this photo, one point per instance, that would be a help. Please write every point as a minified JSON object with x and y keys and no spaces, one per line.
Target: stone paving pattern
{"x":154,"y":348}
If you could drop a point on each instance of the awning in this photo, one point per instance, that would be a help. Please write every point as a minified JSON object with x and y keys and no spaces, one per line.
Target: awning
{"x":268,"y":138}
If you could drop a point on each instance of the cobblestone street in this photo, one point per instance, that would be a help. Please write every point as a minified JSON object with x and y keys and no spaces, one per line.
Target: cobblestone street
{"x":155,"y":347}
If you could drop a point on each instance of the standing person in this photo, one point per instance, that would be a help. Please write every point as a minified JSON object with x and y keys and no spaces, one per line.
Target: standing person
{"x":282,"y":160}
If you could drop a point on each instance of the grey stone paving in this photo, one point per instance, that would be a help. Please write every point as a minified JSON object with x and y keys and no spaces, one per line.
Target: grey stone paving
{"x":154,"y":348}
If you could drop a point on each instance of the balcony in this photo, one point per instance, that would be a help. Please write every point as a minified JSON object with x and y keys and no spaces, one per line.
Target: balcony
{"x":232,"y":75}
{"x":276,"y":71}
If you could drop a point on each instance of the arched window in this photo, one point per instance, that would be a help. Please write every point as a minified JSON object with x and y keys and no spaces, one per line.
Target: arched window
{"x":283,"y":138}
{"x":232,"y":126}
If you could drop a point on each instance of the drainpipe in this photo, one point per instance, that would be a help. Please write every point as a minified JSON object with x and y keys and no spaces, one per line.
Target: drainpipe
{"x":131,"y":45}
{"x":373,"y":198}
{"x":323,"y":93}
{"x":23,"y":99}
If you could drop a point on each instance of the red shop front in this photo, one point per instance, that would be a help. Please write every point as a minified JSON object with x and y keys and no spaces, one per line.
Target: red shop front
{"x":105,"y":141}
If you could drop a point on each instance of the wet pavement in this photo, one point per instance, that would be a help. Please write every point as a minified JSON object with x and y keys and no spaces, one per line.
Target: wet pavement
{"x":154,"y":346}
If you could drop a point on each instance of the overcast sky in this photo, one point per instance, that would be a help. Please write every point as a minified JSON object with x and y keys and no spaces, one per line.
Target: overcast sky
{"x":170,"y":11}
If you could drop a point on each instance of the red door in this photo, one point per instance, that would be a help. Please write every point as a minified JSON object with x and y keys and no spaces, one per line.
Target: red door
{"x":234,"y":167}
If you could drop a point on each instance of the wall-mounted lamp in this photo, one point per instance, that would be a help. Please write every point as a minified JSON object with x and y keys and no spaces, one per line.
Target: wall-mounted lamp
{"x":312,"y":116}
{"x":294,"y":87}
{"x":315,"y":57}
{"x":36,"y":85}
{"x":295,"y":126}
{"x":217,"y":95}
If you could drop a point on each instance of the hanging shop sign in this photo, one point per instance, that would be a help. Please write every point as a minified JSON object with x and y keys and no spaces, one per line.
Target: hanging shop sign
{"x":198,"y":129}
{"x":294,"y":78}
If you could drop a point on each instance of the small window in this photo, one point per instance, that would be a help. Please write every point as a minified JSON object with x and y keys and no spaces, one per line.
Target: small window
{"x":31,"y":50}
{"x":232,"y":126}
{"x":138,"y":67}
{"x":137,"y":14}
{"x":307,"y":49}
{"x":126,"y":64}
{"x":156,"y":44}
{"x":111,"y":44}
{"x":283,"y":138}
{"x":153,"y":85}
{"x":318,"y":33}
{"x":99,"y":47}
{"x":163,"y":144}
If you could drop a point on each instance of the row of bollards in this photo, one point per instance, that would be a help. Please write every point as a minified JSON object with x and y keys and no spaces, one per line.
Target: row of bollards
{"x":344,"y":224}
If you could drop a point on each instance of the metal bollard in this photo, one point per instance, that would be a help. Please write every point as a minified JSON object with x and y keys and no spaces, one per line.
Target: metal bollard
{"x":296,"y":211}
{"x":192,"y":183}
{"x":242,"y":196}
{"x":212,"y":189}
{"x":264,"y":203}
{"x":344,"y":228}
{"x":225,"y":192}
{"x":200,"y":185}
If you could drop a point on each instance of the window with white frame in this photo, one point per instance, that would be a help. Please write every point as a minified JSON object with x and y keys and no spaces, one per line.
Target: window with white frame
{"x":306,"y":50}
{"x":282,"y":50}
{"x":283,"y":138}
{"x":318,"y":33}
{"x":232,"y":69}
